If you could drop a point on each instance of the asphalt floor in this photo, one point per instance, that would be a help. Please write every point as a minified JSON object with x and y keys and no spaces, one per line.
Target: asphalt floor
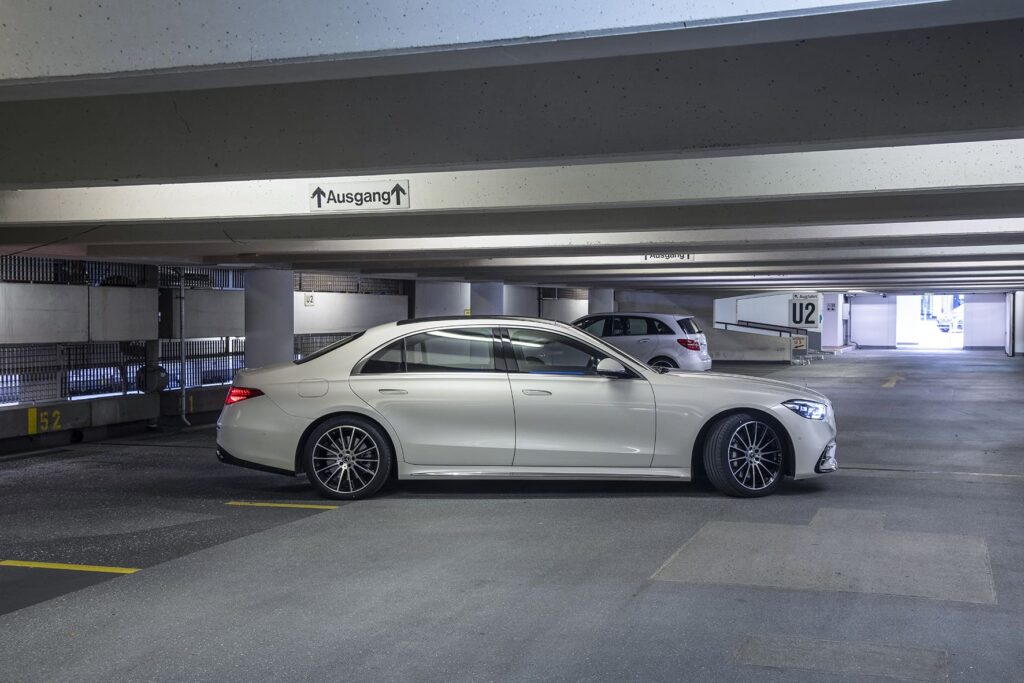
{"x":906,"y":564}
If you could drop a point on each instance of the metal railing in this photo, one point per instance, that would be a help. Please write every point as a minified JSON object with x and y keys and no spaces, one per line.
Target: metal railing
{"x":354,"y":284}
{"x":37,"y":373}
{"x":59,"y":271}
{"x":306,"y":344}
{"x":207,"y":361}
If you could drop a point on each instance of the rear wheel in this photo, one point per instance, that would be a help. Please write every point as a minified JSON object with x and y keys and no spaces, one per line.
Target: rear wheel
{"x":743,"y":456}
{"x":347,"y":458}
{"x":663,"y":363}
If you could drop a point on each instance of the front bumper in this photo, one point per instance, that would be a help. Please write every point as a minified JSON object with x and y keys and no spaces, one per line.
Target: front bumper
{"x":827,"y":462}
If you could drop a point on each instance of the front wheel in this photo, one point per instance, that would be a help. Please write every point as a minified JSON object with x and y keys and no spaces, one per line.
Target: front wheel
{"x":347,"y":458}
{"x":743,"y":456}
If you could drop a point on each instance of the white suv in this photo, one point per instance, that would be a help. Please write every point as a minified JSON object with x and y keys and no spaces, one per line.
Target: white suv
{"x":661,"y":340}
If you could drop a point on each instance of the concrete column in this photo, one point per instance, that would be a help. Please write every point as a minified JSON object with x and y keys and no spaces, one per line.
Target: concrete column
{"x":269,"y":317}
{"x":441,"y":298}
{"x":601,"y":301}
{"x":1018,"y":323}
{"x":487,"y":298}
{"x":832,"y":320}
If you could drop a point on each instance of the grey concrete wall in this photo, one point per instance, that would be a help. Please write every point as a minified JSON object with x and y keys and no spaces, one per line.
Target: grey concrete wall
{"x":985,"y":320}
{"x":521,"y":300}
{"x":793,"y":93}
{"x":565,"y":310}
{"x":601,"y":300}
{"x":873,"y":320}
{"x":211,"y":313}
{"x":120,"y":313}
{"x":441,"y":298}
{"x":36,"y":314}
{"x":345,"y":312}
{"x":487,"y":298}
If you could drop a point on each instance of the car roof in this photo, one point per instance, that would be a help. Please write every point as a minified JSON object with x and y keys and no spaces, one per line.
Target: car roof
{"x":673,"y":316}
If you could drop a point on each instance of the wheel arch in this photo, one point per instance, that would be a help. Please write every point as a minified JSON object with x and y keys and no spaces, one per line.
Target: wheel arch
{"x":299,"y":469}
{"x":697,"y":456}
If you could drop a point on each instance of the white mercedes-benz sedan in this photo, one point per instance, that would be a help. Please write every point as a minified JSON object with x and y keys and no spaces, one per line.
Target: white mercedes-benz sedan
{"x":497,"y":397}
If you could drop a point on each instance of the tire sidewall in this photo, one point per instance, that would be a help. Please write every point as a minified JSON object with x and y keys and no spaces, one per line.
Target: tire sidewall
{"x":380,"y":441}
{"x":716,"y":457}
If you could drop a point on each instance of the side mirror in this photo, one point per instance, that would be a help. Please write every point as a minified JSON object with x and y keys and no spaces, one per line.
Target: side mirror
{"x":609,"y":367}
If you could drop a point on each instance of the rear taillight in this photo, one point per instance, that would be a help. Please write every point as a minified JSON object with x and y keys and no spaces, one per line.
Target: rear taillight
{"x":691,"y":344}
{"x":240,"y":394}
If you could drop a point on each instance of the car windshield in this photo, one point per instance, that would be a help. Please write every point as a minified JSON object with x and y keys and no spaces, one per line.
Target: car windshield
{"x":327,"y":349}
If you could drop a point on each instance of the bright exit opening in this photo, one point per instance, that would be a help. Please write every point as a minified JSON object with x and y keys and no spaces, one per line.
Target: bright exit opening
{"x":930,"y":321}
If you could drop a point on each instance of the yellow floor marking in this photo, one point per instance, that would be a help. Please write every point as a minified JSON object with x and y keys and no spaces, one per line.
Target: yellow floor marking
{"x":303,"y":506}
{"x":69,"y":567}
{"x":891,"y":382}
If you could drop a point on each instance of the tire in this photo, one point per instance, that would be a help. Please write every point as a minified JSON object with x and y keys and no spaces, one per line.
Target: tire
{"x":663,"y":362}
{"x":744,"y":456}
{"x":340,"y":461}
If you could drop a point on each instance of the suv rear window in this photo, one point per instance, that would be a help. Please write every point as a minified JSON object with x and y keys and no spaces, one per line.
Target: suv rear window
{"x":688,"y":325}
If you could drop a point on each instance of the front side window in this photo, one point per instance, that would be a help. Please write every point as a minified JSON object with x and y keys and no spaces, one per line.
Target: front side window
{"x":594,"y":326}
{"x":469,"y":349}
{"x":548,"y":353}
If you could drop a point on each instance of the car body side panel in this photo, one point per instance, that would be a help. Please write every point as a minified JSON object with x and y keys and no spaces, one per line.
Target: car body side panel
{"x":259,"y":431}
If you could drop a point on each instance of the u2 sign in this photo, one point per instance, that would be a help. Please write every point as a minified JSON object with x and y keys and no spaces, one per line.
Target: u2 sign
{"x":803,"y":311}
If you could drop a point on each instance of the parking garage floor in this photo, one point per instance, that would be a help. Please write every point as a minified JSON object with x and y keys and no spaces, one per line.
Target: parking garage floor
{"x":908,"y":563}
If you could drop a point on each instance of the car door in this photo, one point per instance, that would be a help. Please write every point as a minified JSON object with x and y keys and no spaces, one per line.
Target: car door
{"x":569,"y":416}
{"x":447,"y":395}
{"x":629,"y":333}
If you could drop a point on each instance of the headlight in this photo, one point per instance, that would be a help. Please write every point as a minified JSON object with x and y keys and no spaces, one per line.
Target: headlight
{"x":812,"y":410}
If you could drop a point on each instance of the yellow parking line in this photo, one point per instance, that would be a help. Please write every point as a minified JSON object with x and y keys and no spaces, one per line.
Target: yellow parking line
{"x":69,"y":567}
{"x":304,"y":506}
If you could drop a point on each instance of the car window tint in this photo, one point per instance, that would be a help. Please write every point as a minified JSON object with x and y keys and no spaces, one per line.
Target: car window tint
{"x":548,"y":353}
{"x":658,"y":327}
{"x":689,"y":326}
{"x":469,"y":349}
{"x":594,"y":326}
{"x":636,"y":327}
{"x":617,"y":328}
{"x":388,"y":359}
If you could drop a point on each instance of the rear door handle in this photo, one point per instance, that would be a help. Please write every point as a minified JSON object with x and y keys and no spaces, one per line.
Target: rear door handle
{"x":536,"y":392}
{"x":393,"y":392}
{"x":643,"y":341}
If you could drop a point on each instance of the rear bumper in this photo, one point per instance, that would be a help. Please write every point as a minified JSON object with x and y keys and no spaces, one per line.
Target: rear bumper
{"x":229,"y":459}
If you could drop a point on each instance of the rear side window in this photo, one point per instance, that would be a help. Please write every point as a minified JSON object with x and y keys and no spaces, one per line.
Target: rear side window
{"x":689,"y":325}
{"x":629,"y":326}
{"x":468,"y":349}
{"x":657,"y":327}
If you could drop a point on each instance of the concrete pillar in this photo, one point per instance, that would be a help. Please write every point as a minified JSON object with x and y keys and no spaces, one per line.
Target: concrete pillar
{"x":269,"y":317}
{"x":1018,"y":323}
{"x":832,"y":320}
{"x":601,"y":301}
{"x":487,"y":298}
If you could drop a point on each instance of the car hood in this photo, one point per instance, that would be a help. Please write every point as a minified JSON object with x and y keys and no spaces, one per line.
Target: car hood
{"x":787,"y":390}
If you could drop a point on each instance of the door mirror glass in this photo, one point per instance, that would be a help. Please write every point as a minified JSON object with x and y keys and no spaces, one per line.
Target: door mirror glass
{"x":609,"y":367}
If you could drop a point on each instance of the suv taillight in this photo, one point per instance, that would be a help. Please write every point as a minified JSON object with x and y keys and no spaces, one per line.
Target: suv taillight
{"x":691,"y":344}
{"x":237,"y":394}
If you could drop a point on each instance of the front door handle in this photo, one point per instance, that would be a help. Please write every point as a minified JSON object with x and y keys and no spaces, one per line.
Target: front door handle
{"x":536,"y":392}
{"x":393,"y":392}
{"x":643,"y":341}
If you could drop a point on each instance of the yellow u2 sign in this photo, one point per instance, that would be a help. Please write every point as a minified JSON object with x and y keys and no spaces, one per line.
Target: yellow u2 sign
{"x":43,"y":420}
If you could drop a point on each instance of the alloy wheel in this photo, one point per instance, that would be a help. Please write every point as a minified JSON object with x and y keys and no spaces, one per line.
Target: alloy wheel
{"x":345,"y":459}
{"x":755,"y":456}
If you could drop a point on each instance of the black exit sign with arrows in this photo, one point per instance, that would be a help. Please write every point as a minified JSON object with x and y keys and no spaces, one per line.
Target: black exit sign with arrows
{"x":375,"y":195}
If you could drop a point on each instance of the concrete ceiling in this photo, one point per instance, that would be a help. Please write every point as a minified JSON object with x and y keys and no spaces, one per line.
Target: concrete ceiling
{"x":881,"y":159}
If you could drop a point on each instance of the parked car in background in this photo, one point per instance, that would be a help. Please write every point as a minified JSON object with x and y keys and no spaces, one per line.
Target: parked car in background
{"x":662,"y":340}
{"x":505,"y":397}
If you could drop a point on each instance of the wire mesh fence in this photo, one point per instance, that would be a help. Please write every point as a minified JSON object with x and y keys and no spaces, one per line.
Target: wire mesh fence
{"x":36,"y":373}
{"x":207,"y":361}
{"x":201,"y":277}
{"x":306,"y":344}
{"x":57,"y":271}
{"x":354,"y":284}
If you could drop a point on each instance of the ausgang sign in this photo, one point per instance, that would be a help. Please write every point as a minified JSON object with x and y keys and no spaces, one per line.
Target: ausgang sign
{"x":376,"y":195}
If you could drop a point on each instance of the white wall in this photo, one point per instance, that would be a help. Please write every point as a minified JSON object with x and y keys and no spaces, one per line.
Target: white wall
{"x":35,"y":314}
{"x":984,"y":321}
{"x":908,"y":318}
{"x":873,"y":320}
{"x":211,"y":313}
{"x":521,"y":300}
{"x":832,"y":321}
{"x":345,"y":312}
{"x":1018,"y":322}
{"x":601,"y":300}
{"x":565,"y":310}
{"x":441,"y":298}
{"x":722,"y":345}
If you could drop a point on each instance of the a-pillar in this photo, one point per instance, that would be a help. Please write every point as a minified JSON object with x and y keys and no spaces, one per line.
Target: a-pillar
{"x":269,"y":317}
{"x":487,"y":298}
{"x":601,"y":301}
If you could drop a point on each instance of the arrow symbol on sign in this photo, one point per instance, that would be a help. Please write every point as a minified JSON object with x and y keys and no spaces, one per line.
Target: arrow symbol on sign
{"x":398,"y":191}
{"x":318,"y":195}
